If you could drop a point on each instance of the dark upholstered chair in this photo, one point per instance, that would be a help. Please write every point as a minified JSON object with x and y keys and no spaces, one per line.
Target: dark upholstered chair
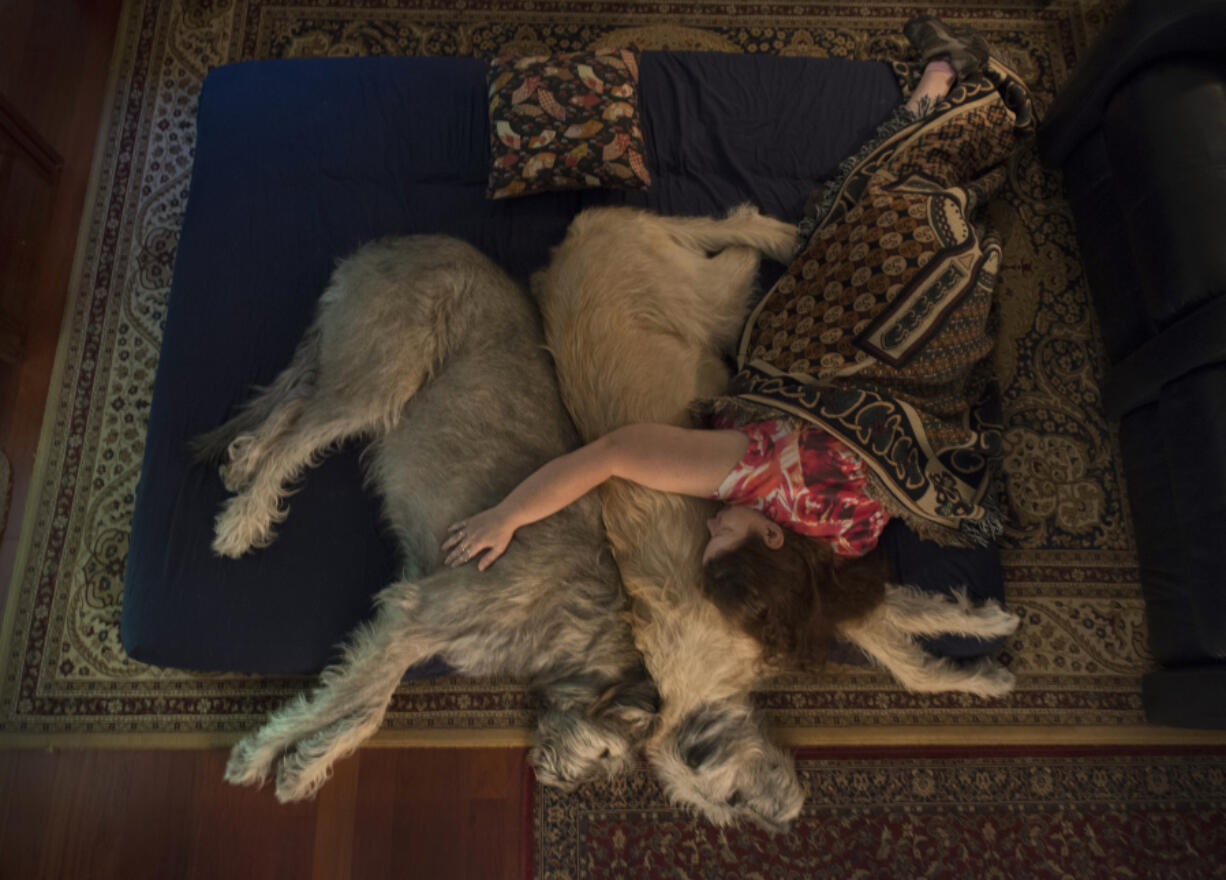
{"x":1140,"y":134}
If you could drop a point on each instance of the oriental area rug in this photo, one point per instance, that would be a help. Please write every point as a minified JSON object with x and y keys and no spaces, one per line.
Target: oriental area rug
{"x":1069,"y":561}
{"x":987,"y":813}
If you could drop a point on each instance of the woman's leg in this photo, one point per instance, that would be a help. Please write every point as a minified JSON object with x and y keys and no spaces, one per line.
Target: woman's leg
{"x":938,"y":78}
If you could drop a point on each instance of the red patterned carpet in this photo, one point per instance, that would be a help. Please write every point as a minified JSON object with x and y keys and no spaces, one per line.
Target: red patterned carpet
{"x":906,"y":813}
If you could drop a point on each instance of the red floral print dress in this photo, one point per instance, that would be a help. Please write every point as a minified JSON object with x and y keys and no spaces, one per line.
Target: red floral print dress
{"x":807,"y":480}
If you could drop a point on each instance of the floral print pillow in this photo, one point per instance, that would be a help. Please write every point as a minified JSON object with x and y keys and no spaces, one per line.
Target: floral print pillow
{"x":565,"y":122}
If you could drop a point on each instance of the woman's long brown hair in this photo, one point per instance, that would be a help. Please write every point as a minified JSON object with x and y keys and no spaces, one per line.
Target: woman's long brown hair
{"x":791,"y":599}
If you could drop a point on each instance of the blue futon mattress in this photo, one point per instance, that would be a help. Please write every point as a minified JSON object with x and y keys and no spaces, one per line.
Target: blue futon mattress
{"x":298,"y":162}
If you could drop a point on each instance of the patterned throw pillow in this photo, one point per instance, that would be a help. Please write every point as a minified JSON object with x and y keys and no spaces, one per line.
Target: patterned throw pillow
{"x":565,"y":122}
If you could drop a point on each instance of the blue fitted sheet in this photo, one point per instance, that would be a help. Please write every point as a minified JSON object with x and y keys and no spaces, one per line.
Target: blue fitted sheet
{"x":297,"y":163}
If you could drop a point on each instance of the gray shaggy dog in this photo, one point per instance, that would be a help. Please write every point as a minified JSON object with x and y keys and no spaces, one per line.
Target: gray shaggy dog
{"x":424,"y":347}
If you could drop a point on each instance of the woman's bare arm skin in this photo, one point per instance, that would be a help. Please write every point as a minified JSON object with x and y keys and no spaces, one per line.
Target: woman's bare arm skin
{"x":684,"y":461}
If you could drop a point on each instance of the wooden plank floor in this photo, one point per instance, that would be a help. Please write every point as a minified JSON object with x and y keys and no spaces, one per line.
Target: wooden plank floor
{"x":54,"y":59}
{"x":94,"y":815}
{"x":403,"y":813}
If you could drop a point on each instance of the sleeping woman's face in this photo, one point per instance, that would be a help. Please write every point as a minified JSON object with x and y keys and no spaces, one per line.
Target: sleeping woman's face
{"x":733,"y":524}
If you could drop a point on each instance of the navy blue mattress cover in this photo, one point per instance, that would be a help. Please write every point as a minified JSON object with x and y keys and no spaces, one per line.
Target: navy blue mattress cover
{"x":297,"y":163}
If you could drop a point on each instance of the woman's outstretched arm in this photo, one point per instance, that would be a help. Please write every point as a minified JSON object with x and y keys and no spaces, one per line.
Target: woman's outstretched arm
{"x":671,"y":459}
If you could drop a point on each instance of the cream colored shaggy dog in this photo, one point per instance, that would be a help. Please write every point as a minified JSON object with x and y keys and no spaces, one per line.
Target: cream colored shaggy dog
{"x":638,"y":312}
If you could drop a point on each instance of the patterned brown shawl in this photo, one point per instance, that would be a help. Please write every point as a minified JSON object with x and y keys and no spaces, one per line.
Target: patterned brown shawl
{"x":879,"y":330}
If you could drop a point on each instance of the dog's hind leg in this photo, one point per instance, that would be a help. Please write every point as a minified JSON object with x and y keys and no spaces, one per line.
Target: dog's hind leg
{"x":744,"y":226}
{"x":390,"y":315}
{"x":241,"y":444}
{"x":246,"y":520}
{"x":915,"y":668}
{"x":932,"y":614}
{"x":313,"y":730}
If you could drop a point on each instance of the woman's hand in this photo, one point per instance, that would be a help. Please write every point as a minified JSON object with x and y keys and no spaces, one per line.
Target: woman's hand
{"x":489,"y":531}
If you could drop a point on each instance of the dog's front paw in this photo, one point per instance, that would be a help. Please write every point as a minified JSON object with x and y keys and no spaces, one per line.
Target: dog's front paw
{"x":242,"y":525}
{"x":300,"y":778}
{"x":248,"y":765}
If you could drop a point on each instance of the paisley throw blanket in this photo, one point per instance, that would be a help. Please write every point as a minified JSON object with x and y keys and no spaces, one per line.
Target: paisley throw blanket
{"x":879,"y":330}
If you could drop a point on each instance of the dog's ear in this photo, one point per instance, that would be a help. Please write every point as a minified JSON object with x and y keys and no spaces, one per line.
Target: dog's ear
{"x":633,"y":700}
{"x":706,"y":733}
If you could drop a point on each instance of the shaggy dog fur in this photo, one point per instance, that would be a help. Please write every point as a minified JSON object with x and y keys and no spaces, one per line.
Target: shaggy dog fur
{"x":424,"y":347}
{"x":639,"y":312}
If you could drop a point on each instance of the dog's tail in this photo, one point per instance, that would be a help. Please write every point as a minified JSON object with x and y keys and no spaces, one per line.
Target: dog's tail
{"x":292,"y":386}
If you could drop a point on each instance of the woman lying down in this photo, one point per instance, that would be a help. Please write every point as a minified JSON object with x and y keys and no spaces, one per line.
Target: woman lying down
{"x":793,"y":500}
{"x":793,"y":552}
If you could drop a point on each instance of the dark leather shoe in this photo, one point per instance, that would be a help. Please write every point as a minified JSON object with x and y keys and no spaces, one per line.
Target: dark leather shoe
{"x":964,"y":47}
